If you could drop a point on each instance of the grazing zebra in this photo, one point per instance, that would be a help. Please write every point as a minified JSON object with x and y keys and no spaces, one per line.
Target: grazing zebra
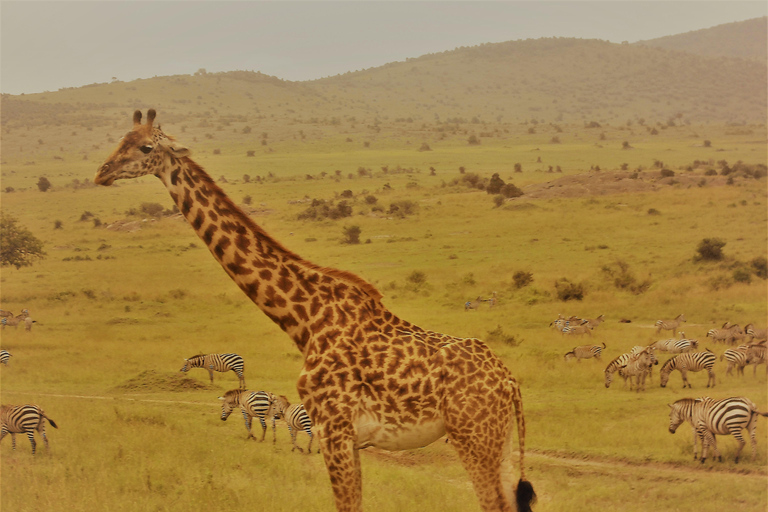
{"x":28,"y":323}
{"x":4,"y":356}
{"x":755,"y":334}
{"x":297,"y":419}
{"x":614,"y":366}
{"x":585,"y":352}
{"x":670,"y":325}
{"x":757,"y":354}
{"x":689,"y":362}
{"x":23,"y":419}
{"x":4,"y":313}
{"x":218,"y":362}
{"x":638,"y":366}
{"x":24,"y":314}
{"x":723,"y":417}
{"x":680,"y":411}
{"x":253,"y":404}
{"x":736,"y":357}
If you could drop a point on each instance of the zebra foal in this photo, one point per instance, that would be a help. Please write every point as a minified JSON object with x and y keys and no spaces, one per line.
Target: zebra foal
{"x":253,"y":404}
{"x":23,"y":419}
{"x":296,"y":418}
{"x":691,"y":361}
{"x":217,"y":362}
{"x":585,"y":352}
{"x":639,"y":366}
{"x":723,"y":417}
{"x":680,"y":411}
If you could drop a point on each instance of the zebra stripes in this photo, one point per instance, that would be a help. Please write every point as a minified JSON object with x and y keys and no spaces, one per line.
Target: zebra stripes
{"x":737,"y":358}
{"x":723,"y":417}
{"x":757,"y":354}
{"x":670,"y":325}
{"x":681,"y":411}
{"x":693,"y":362}
{"x":585,"y":352}
{"x":23,"y":419}
{"x":681,"y":346}
{"x":639,"y":366}
{"x":4,"y":356}
{"x":253,"y":404}
{"x":217,"y":362}
{"x":755,"y":334}
{"x":614,"y":366}
{"x":297,"y":419}
{"x":728,"y":333}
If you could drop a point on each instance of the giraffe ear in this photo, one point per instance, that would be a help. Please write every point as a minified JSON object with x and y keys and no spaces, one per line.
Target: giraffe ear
{"x":176,"y":149}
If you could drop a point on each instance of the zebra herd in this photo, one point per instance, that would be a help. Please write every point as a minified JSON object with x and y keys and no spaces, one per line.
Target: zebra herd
{"x":8,"y":319}
{"x":707,"y":416}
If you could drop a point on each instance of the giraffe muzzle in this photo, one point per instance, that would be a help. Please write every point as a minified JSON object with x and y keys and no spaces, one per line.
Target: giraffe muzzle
{"x":103,"y":176}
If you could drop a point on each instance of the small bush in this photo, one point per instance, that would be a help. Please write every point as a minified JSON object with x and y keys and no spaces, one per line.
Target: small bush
{"x":742,"y":275}
{"x":653,"y":211}
{"x":152,"y":209}
{"x":567,"y":290}
{"x":522,"y":279}
{"x":498,"y":335}
{"x":417,"y":278}
{"x":58,"y":224}
{"x":43,"y":184}
{"x":759,"y":266}
{"x":351,"y":235}
{"x":710,"y":249}
{"x":667,"y":173}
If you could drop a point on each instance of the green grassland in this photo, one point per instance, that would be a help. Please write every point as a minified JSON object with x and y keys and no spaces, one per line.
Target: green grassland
{"x":122,"y":297}
{"x":118,"y":310}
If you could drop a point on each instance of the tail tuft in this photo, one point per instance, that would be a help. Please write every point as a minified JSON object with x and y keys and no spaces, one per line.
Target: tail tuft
{"x":525,"y":495}
{"x":52,"y":423}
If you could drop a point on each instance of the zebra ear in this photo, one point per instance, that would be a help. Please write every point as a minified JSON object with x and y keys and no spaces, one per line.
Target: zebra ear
{"x":669,"y":405}
{"x":221,"y":398}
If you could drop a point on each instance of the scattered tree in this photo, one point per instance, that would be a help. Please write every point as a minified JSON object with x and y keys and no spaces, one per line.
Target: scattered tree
{"x":43,"y":184}
{"x":351,"y":235}
{"x":710,"y":249}
{"x":18,"y":246}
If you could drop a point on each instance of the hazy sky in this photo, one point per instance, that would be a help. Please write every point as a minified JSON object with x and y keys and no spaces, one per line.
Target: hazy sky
{"x":46,"y":45}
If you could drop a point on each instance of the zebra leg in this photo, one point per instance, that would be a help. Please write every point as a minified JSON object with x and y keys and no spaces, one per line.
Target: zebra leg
{"x":263,"y":428}
{"x":710,"y":378}
{"x":684,"y":373}
{"x":274,"y":430}
{"x":247,"y":418}
{"x":210,"y":374}
{"x":736,"y":432}
{"x":309,"y":447}
{"x":293,"y":440}
{"x":31,"y":436}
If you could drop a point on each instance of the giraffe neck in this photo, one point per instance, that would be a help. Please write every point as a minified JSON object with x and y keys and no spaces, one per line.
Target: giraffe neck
{"x":303,"y":299}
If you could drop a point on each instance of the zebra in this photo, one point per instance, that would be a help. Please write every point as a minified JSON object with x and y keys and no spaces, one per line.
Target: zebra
{"x":691,"y":361}
{"x":28,"y":323}
{"x":11,"y":321}
{"x":4,"y":356}
{"x":682,"y":345}
{"x":218,"y":362}
{"x":23,"y":419}
{"x":473,"y":304}
{"x":670,"y":325}
{"x":724,"y":334}
{"x":754,"y":333}
{"x":680,"y":411}
{"x":24,"y":314}
{"x":638,"y":366}
{"x":253,"y":404}
{"x":4,"y":313}
{"x":722,"y":417}
{"x":577,"y":330}
{"x":614,"y":366}
{"x":594,"y":322}
{"x":736,"y":357}
{"x":297,"y":419}
{"x":756,"y":354}
{"x":585,"y":352}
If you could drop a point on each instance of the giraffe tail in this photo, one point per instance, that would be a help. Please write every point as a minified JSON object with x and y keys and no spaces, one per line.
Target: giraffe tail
{"x":524,"y":495}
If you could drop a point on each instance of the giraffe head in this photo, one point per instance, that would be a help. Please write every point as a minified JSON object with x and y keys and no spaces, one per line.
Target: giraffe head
{"x":143,"y":150}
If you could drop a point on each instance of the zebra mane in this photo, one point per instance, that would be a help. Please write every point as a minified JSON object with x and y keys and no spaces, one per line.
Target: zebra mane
{"x":233,"y":392}
{"x":196,"y":356}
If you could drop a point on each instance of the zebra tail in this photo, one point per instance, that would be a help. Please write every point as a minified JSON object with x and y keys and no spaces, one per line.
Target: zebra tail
{"x":53,"y":424}
{"x":603,"y":344}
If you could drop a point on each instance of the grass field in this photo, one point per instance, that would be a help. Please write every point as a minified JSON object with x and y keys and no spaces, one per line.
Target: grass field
{"x":118,"y":310}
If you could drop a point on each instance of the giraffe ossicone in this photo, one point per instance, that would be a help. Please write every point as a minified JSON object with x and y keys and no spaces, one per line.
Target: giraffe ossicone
{"x":369,"y":378}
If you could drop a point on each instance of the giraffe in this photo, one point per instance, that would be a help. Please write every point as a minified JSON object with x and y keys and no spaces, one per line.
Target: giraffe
{"x":369,"y":378}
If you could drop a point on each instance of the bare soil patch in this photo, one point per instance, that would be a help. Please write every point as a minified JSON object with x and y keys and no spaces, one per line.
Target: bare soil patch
{"x":151,"y":380}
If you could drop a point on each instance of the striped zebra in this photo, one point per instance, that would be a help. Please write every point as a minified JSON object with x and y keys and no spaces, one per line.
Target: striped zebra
{"x":638,"y":366}
{"x":11,"y":321}
{"x":23,"y":419}
{"x":680,"y":411}
{"x":689,"y":362}
{"x":723,"y":417}
{"x":670,"y":325}
{"x":737,"y":358}
{"x":682,"y":346}
{"x":4,"y":356}
{"x":614,"y":366}
{"x":757,"y":354}
{"x":218,"y":362}
{"x":471,"y":305}
{"x":253,"y":404}
{"x":297,"y":419}
{"x":755,"y":334}
{"x":724,"y":334}
{"x":585,"y":352}
{"x":594,"y":322}
{"x":576,"y":330}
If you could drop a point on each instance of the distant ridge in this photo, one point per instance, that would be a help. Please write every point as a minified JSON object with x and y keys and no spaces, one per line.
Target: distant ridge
{"x":742,"y":39}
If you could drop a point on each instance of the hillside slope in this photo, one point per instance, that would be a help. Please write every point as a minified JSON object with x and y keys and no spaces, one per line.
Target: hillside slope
{"x":743,"y":39}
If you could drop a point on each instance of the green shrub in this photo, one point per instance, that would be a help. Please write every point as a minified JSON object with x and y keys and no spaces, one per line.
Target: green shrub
{"x":710,"y":249}
{"x":760,"y":267}
{"x":351,"y":235}
{"x":522,"y":279}
{"x":567,"y":290}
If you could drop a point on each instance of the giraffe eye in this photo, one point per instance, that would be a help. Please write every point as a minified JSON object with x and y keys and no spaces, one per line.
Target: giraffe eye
{"x":146,"y":149}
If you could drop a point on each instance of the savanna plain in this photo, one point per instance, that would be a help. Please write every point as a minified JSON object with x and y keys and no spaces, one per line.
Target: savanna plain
{"x":126,"y":291}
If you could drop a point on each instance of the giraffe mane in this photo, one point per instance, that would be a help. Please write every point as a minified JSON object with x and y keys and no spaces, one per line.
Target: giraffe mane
{"x":348,"y":277}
